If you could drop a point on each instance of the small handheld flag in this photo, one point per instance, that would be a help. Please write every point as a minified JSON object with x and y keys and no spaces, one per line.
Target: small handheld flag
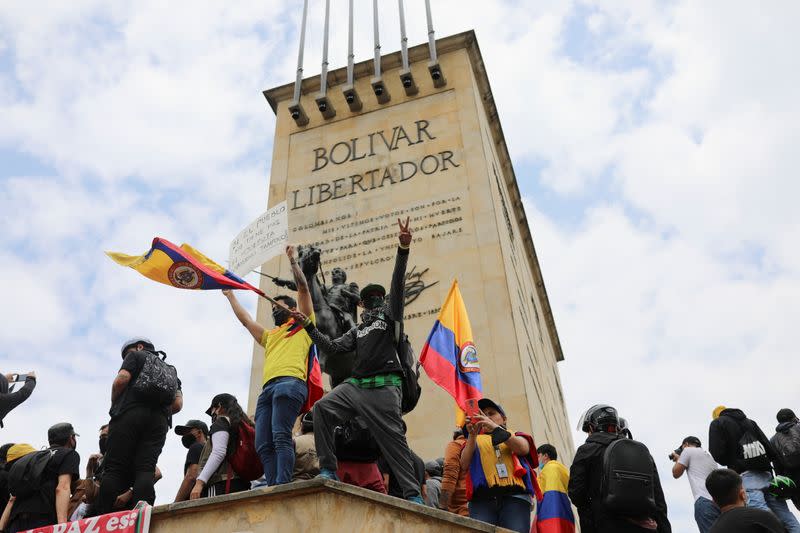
{"x":182,"y":267}
{"x":449,"y":356}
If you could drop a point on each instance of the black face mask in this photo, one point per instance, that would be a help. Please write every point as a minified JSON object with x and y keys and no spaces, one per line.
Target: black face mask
{"x":187,"y":440}
{"x":373,"y":302}
{"x":102,"y":444}
{"x":280,"y":316}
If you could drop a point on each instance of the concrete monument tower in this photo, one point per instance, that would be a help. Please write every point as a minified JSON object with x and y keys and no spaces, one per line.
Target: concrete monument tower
{"x":416,"y":134}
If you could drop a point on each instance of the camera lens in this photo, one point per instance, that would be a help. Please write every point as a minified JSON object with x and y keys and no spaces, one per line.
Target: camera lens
{"x":379,"y":90}
{"x":436,"y":74}
{"x":406,"y":82}
{"x":322,"y":107}
{"x":350,"y":98}
{"x":295,"y":114}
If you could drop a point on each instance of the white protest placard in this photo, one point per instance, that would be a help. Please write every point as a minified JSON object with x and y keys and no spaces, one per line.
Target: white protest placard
{"x":266,"y":237}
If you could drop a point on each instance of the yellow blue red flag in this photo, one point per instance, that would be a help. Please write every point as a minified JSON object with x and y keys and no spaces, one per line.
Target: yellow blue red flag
{"x":182,"y":267}
{"x":449,"y":356}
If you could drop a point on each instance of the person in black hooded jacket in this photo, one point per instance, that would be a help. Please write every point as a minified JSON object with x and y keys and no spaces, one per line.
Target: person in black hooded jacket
{"x":9,"y":401}
{"x":586,"y":473}
{"x":374,"y":391}
{"x":737,"y":442}
{"x":786,"y":443}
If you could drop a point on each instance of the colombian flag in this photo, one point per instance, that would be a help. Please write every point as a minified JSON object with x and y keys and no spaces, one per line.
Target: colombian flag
{"x":449,"y":356}
{"x":313,"y":380}
{"x":182,"y":267}
{"x":554,"y":513}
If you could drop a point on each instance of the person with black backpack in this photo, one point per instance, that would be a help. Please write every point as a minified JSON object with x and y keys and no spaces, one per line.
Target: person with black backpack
{"x":737,"y":442}
{"x":786,"y":443}
{"x":375,"y":390}
{"x":41,"y":482}
{"x":357,"y":455}
{"x":144,"y":396}
{"x":613,"y":480}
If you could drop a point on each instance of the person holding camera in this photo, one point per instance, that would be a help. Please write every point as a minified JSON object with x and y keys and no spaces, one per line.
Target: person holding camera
{"x":10,"y":400}
{"x":689,"y":457}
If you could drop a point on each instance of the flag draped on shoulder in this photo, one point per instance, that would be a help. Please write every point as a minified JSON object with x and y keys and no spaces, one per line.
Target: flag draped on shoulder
{"x":449,"y":356}
{"x":182,"y":267}
{"x":554,"y":512}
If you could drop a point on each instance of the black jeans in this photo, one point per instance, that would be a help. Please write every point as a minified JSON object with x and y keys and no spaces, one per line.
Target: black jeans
{"x":135,"y":440}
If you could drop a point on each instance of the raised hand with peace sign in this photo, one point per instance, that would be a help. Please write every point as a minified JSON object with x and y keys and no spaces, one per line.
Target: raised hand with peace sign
{"x":405,"y":233}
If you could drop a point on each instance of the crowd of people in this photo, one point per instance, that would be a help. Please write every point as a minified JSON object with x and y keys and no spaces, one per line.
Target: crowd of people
{"x":356,"y":434}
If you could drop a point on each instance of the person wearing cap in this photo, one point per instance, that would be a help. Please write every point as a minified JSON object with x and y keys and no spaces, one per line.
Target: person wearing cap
{"x":739,"y":443}
{"x":453,"y":496}
{"x":137,"y":430}
{"x":374,"y":390}
{"x":284,"y":378}
{"x":193,"y":437}
{"x":50,"y":504}
{"x":216,"y":475}
{"x":10,"y":400}
{"x":786,"y":443}
{"x":698,"y":464}
{"x":501,"y":479}
{"x":601,"y":422}
{"x":433,"y":482}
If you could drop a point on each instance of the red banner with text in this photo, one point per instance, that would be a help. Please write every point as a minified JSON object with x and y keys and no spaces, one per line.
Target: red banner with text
{"x":135,"y":521}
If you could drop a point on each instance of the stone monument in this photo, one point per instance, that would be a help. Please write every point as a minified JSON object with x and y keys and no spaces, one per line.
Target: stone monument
{"x":417,"y":134}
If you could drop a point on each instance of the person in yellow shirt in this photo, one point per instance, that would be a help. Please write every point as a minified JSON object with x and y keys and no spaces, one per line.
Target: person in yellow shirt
{"x":286,"y":348}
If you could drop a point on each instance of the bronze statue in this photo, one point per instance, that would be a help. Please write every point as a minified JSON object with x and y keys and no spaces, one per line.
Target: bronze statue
{"x":334,"y":309}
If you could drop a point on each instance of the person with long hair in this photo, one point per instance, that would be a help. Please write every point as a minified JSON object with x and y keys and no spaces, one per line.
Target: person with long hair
{"x":216,"y":475}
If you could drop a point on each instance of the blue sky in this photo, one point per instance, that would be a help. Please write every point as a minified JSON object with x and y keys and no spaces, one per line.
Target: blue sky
{"x":653,"y":143}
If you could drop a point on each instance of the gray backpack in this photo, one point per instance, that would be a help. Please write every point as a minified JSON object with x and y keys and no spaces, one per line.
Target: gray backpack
{"x":157,"y":381}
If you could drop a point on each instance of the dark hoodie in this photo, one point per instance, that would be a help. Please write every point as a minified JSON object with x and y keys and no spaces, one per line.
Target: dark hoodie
{"x":585,"y":477}
{"x":786,"y":443}
{"x":10,"y":401}
{"x":723,"y":442}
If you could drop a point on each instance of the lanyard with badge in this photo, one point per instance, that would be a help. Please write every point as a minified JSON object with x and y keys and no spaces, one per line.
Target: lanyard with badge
{"x":502,"y":470}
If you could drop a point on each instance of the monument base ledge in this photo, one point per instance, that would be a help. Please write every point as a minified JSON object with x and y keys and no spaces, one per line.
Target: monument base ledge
{"x":317,"y":505}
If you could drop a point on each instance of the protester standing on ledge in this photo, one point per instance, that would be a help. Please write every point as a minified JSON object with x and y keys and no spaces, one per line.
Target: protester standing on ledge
{"x":501,"y":482}
{"x":144,"y":396}
{"x":9,"y":401}
{"x":284,"y":391}
{"x":44,"y":501}
{"x":374,"y":391}
{"x":218,"y":476}
{"x":193,"y":437}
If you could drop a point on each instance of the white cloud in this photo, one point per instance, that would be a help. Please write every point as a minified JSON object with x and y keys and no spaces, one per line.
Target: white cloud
{"x":152,"y":120}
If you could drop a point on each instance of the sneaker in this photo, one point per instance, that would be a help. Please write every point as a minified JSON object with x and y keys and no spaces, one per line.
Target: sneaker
{"x":417,"y":499}
{"x":324,"y":473}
